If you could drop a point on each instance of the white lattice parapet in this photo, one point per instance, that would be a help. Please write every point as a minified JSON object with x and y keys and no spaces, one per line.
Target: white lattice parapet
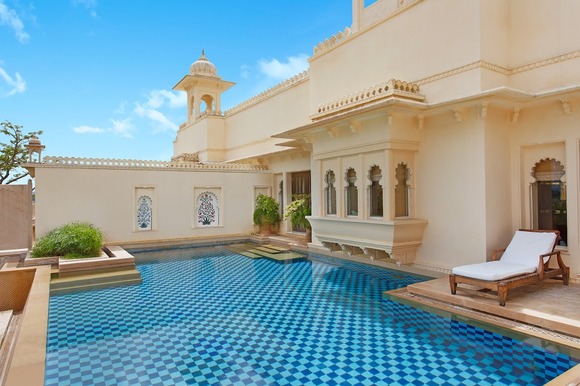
{"x":107,"y":163}
{"x":392,"y":88}
{"x":277,"y":89}
{"x":334,"y":41}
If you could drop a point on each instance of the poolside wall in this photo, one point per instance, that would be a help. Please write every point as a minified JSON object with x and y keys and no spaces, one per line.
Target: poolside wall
{"x":16,"y":214}
{"x":107,"y":198}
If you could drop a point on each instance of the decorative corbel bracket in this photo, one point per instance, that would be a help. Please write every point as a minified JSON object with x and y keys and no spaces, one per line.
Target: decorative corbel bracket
{"x":355,"y":126}
{"x":332,"y":132}
{"x":566,"y":107}
{"x":458,"y":115}
{"x":420,"y":121}
{"x":515,"y":115}
{"x":483,"y":110}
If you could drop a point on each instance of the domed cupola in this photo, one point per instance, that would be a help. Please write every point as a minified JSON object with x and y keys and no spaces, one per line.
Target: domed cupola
{"x":203,"y":67}
{"x":204,"y":88}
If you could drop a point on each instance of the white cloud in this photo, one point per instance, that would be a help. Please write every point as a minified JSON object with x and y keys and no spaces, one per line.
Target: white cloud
{"x":158,"y":101}
{"x":122,"y":128}
{"x":10,"y":18}
{"x":159,"y":98}
{"x":16,"y":85}
{"x":280,"y":71}
{"x":121,"y":108}
{"x":162,"y":122}
{"x":245,"y":71}
{"x":88,"y":130}
{"x":88,"y":4}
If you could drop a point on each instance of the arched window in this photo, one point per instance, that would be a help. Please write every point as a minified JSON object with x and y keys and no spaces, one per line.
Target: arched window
{"x":207,"y":209}
{"x":402,"y":191}
{"x":351,"y":193}
{"x":207,"y":100}
{"x":330,"y":192}
{"x":144,"y":213}
{"x":376,"y":192}
{"x":549,"y":197}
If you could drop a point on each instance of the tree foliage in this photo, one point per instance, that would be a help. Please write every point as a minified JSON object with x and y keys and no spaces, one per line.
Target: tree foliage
{"x":14,"y":152}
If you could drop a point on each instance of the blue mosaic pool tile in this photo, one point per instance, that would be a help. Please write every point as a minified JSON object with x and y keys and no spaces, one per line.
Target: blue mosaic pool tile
{"x":208,"y":316}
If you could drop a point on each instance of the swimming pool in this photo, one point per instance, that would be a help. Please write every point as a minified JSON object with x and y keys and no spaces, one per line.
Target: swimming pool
{"x":211,"y":316}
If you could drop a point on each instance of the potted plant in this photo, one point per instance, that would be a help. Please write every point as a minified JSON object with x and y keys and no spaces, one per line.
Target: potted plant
{"x":266,"y":214}
{"x":297,"y":211}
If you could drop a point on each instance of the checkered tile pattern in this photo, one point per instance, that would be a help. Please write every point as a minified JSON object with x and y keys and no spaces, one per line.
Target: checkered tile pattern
{"x":209,"y":316}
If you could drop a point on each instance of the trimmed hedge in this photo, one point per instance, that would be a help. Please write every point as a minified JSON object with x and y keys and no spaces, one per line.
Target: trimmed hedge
{"x":72,"y":241}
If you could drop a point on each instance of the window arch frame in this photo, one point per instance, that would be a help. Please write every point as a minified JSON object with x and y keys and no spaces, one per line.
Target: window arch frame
{"x":376,"y":193}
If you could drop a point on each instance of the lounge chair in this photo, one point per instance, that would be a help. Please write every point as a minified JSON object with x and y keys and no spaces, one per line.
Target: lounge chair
{"x":526,"y":260}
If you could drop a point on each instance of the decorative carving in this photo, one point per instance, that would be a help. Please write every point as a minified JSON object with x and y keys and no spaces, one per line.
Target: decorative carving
{"x":144,"y":213}
{"x":515,"y":115}
{"x":105,"y":163}
{"x":458,"y":115}
{"x":392,"y":88}
{"x":207,"y":209}
{"x":355,"y":126}
{"x":548,"y":169}
{"x":566,"y":107}
{"x":269,"y":93}
{"x":420,"y":121}
{"x":376,"y":254}
{"x":186,"y":157}
{"x":333,"y":132}
{"x":483,"y":110}
{"x":499,"y":69}
{"x":332,"y":247}
{"x":334,"y":41}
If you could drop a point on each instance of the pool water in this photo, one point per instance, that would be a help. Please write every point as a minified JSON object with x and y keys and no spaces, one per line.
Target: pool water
{"x":210,"y":316}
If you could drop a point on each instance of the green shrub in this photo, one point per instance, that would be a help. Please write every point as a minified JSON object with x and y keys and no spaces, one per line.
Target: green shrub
{"x":298,"y":210}
{"x":72,"y":241}
{"x":267,"y":211}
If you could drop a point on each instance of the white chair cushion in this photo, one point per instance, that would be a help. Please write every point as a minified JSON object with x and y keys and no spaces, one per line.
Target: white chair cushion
{"x":526,"y":247}
{"x":494,"y":270}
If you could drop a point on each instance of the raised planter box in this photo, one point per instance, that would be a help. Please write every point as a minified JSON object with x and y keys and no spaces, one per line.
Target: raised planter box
{"x":111,"y":257}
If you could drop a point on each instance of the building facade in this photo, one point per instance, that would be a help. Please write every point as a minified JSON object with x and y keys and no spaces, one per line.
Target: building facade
{"x":427,"y":132}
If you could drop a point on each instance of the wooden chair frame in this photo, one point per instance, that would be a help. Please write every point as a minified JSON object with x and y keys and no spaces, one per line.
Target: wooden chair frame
{"x":502,"y":286}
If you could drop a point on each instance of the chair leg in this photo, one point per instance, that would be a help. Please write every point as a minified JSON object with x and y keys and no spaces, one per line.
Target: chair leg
{"x":502,"y":295}
{"x":452,"y":284}
{"x":566,"y":275}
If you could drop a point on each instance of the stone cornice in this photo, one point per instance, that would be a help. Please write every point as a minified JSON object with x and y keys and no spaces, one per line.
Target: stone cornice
{"x":392,"y":88}
{"x":269,"y":93}
{"x":500,"y":69}
{"x":126,"y":164}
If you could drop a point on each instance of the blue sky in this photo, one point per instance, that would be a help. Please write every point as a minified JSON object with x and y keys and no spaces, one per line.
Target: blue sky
{"x":97,"y":75}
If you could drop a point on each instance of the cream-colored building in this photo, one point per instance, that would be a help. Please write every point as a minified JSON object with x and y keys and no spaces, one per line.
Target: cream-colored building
{"x":426,"y":132}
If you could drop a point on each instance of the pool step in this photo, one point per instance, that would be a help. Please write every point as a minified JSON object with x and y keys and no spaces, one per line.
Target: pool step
{"x":94,"y":280}
{"x":5,"y":317}
{"x":268,"y":251}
